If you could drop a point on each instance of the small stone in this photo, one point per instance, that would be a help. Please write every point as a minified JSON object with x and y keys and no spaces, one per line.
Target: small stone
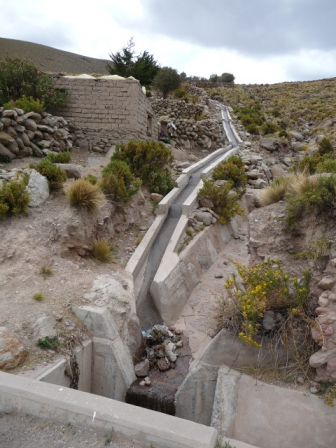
{"x":269,"y":320}
{"x":30,"y":124}
{"x":163,"y":364}
{"x":142,"y":368}
{"x":142,"y":383}
{"x":156,"y":197}
{"x":38,"y":189}
{"x":219,"y":275}
{"x":300,"y":379}
{"x":179,"y":344}
{"x":169,"y":351}
{"x":327,"y":282}
{"x":147,"y":381}
{"x":314,"y":387}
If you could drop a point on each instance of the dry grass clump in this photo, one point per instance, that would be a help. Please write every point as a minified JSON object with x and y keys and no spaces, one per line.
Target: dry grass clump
{"x":39,"y":297}
{"x":293,"y":184}
{"x":46,"y":272}
{"x":102,"y":251}
{"x":82,"y":194}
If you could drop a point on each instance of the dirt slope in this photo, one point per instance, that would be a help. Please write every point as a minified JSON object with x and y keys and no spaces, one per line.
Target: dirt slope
{"x":50,"y":59}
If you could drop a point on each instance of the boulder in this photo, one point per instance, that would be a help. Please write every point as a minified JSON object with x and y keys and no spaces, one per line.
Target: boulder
{"x":156,"y":197}
{"x":10,"y":114}
{"x":5,"y":138}
{"x":44,"y":327}
{"x":327,"y":282}
{"x":38,"y":189}
{"x":71,"y":170}
{"x":205,"y":218}
{"x":30,"y":124}
{"x":5,"y":154}
{"x":296,"y":136}
{"x":270,"y":144}
{"x":12,"y":350}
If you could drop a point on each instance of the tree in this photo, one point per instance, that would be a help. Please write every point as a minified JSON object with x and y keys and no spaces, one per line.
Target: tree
{"x":213,"y":78}
{"x":227,"y":77}
{"x":125,"y":63}
{"x":166,"y":80}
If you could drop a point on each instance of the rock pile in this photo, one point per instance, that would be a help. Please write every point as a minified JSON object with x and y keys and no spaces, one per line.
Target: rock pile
{"x":31,"y":134}
{"x":161,"y":344}
{"x":194,"y":128}
{"x":258,"y":172}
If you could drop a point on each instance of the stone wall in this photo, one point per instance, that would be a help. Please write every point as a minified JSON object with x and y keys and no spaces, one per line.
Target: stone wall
{"x":102,"y":112}
{"x":197,"y":127}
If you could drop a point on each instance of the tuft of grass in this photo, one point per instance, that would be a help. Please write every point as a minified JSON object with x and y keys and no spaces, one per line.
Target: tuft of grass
{"x":102,"y":251}
{"x":14,"y":199}
{"x":317,"y":196}
{"x":59,"y":157}
{"x":82,"y":194}
{"x":46,"y":272}
{"x":39,"y":297}
{"x":330,"y":396}
{"x":49,"y":343}
{"x":294,"y":184}
{"x":275,"y":192}
{"x":55,"y":175}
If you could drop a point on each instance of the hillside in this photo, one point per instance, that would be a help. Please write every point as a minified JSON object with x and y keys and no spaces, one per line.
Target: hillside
{"x":307,"y":107}
{"x":50,"y":59}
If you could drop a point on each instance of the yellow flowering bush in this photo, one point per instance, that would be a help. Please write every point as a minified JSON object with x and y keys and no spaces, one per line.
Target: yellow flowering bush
{"x":266,"y":287}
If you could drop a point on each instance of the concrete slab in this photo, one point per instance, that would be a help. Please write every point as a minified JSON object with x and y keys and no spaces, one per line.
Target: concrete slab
{"x":80,"y":408}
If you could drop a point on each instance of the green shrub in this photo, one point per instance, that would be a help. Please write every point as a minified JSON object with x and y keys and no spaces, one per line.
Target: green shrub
{"x":59,"y":157}
{"x":83,"y":195}
{"x":326,"y":166}
{"x":268,"y":128}
{"x":102,"y":251}
{"x":14,"y":199}
{"x":49,"y":343}
{"x":19,"y":79}
{"x":325,"y":147}
{"x":224,"y":200}
{"x":150,"y":161}
{"x":55,"y":175}
{"x":319,"y":197}
{"x":252,"y":129}
{"x":232,"y":170}
{"x":91,"y":178}
{"x":267,"y":286}
{"x":27,"y":103}
{"x":118,"y":182}
{"x":309,"y":163}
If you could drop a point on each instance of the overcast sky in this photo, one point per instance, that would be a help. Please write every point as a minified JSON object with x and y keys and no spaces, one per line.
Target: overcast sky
{"x":259,"y":41}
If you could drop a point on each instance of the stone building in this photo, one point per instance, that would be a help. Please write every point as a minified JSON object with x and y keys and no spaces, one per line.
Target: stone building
{"x":107,"y":110}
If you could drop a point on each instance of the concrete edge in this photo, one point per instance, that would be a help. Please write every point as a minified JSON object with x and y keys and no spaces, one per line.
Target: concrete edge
{"x":207,"y":171}
{"x":138,"y":258}
{"x":170,"y":258}
{"x":80,"y":408}
{"x":205,"y":160}
{"x":189,"y":204}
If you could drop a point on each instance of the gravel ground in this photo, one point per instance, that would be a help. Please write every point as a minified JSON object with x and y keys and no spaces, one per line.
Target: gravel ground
{"x":23,"y":431}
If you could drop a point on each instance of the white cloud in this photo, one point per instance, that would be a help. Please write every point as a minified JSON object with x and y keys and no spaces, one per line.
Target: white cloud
{"x":98,"y":28}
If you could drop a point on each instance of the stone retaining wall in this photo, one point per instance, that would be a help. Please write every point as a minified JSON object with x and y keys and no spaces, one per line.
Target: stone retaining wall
{"x":103,"y":112}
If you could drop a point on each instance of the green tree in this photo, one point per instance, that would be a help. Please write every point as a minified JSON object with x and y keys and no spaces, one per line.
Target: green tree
{"x":126,"y":63}
{"x":227,"y":77}
{"x":166,"y":80}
